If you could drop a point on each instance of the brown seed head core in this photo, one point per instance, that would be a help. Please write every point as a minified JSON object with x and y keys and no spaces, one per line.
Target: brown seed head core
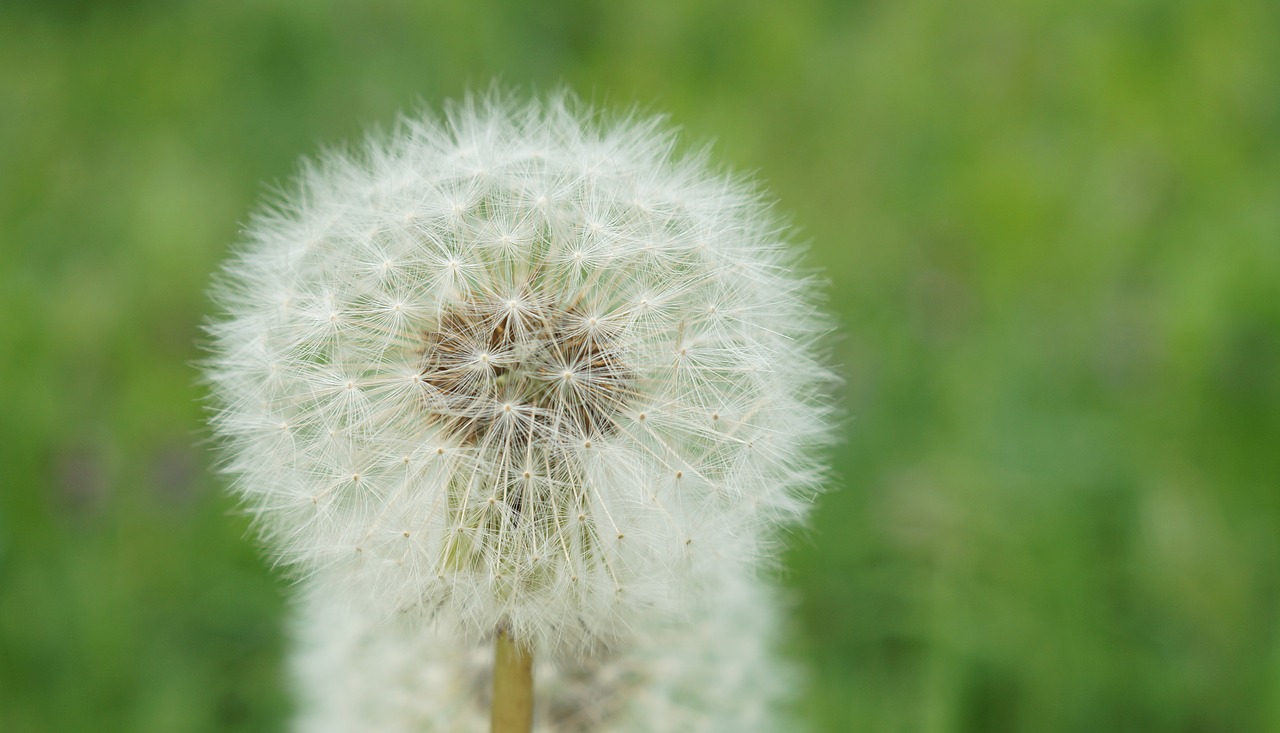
{"x":515,"y":372}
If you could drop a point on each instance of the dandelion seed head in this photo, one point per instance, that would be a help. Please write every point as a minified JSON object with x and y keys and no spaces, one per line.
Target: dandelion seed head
{"x":518,"y":376}
{"x":716,"y":672}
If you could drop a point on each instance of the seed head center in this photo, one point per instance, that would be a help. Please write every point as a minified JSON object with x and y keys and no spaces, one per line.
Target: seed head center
{"x":544,"y":374}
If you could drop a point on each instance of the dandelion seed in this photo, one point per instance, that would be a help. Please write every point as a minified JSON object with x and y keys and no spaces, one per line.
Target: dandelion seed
{"x":717,"y":672}
{"x":498,"y":365}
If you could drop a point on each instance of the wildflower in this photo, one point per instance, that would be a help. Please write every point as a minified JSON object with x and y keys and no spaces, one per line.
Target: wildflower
{"x":714,"y":673}
{"x":519,"y":368}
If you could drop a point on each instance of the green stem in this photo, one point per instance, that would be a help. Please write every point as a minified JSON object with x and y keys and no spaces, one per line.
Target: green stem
{"x":512,"y":706}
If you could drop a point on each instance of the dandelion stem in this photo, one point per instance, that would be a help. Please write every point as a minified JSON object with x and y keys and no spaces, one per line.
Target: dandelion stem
{"x":512,"y":707}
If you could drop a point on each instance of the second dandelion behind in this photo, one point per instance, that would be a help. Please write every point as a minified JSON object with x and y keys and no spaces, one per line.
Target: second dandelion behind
{"x":523,"y":366}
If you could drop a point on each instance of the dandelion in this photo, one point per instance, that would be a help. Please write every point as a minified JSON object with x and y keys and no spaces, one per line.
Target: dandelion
{"x":520,"y":369}
{"x":715,"y":673}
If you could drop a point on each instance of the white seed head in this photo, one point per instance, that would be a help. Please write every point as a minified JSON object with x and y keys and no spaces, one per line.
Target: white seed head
{"x":714,"y":673}
{"x":519,"y":366}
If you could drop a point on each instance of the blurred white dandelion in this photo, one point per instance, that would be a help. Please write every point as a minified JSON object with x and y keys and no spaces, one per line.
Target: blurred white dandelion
{"x":520,"y":367}
{"x":715,"y":673}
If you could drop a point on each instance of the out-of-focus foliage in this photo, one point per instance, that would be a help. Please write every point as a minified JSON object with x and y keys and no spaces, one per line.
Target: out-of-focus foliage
{"x":1053,"y":235}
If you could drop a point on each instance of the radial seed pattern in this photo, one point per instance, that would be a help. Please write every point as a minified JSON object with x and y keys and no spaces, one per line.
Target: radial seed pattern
{"x":520,"y":365}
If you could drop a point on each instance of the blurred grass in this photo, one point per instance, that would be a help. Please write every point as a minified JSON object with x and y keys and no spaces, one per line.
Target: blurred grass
{"x":1053,"y":235}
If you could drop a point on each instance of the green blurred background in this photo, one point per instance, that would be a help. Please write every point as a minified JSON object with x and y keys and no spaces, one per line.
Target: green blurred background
{"x":1052,"y":231}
